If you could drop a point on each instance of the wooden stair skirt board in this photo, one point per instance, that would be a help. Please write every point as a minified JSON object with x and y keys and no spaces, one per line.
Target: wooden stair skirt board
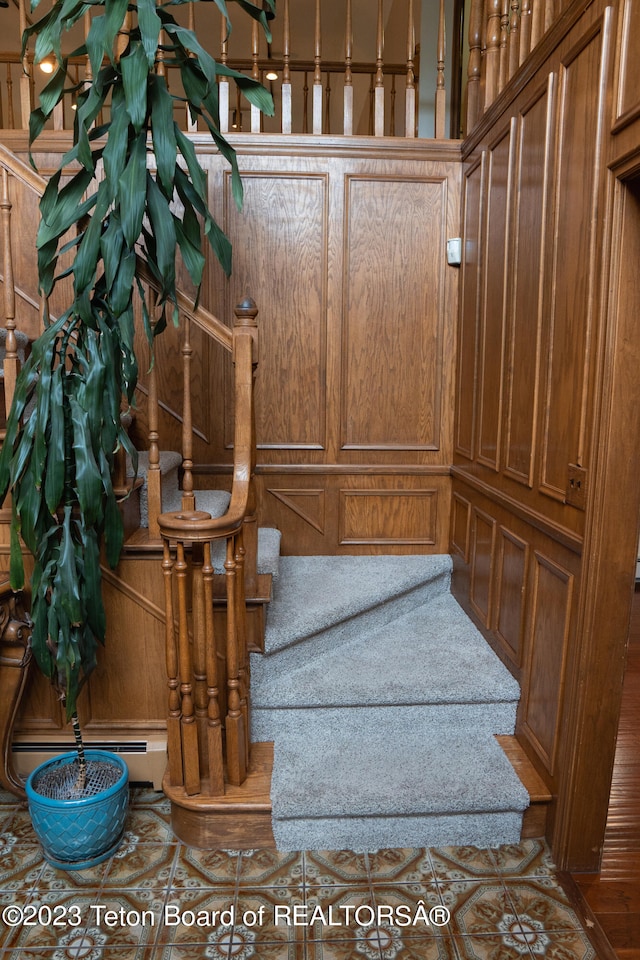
{"x":241,"y":820}
{"x":534,"y":820}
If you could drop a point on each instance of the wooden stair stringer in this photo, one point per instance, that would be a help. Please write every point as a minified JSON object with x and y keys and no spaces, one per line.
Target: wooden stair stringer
{"x":534,"y":819}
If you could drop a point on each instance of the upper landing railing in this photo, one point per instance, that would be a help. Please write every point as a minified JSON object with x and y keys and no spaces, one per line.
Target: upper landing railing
{"x":331,"y":69}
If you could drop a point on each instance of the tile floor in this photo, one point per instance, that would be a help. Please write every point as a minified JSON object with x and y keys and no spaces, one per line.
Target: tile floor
{"x":159,"y":900}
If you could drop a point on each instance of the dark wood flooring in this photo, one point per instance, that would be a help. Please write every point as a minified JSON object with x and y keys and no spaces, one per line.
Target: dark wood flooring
{"x":614,"y":894}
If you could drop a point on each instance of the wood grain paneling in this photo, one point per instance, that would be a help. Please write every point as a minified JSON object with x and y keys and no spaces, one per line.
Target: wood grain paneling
{"x":461,"y":525}
{"x":570,"y":340}
{"x":389,"y":516}
{"x":465,"y":426}
{"x":495,"y":297}
{"x":393,"y":316}
{"x":483,"y":542}
{"x":511,"y":584}
{"x":628,"y":76}
{"x":282,"y":233}
{"x":533,"y":175}
{"x":551,"y":602}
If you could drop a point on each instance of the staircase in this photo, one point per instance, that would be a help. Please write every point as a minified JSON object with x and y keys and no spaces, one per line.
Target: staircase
{"x":383,"y":701}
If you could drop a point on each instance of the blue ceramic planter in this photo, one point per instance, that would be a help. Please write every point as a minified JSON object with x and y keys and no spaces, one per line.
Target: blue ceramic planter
{"x":76,"y":834}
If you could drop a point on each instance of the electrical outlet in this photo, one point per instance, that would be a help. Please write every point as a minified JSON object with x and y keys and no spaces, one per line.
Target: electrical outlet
{"x":576,"y":495}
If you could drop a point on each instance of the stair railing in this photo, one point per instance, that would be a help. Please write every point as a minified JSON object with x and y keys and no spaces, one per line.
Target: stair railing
{"x":208,"y":675}
{"x":197,"y":656}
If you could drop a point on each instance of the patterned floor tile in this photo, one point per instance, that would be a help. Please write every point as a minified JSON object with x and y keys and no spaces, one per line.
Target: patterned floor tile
{"x":478,"y":908}
{"x":463,"y":863}
{"x":21,"y":827}
{"x":415,"y":909}
{"x":530,"y":858}
{"x":339,"y":912}
{"x":400,"y":866}
{"x":364,"y":945}
{"x":138,"y":865}
{"x":197,"y":917}
{"x":149,"y":825}
{"x":493,"y":948}
{"x":20,"y":864}
{"x":543,"y":905}
{"x":49,"y":920}
{"x":335,"y":866}
{"x":269,"y":868}
{"x":569,"y":945}
{"x":205,"y":868}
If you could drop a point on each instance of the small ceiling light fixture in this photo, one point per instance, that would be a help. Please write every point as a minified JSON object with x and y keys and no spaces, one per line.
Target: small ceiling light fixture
{"x":271,"y":75}
{"x":46,"y":66}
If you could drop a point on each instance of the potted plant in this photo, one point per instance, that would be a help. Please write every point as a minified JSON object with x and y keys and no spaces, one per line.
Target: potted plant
{"x":58,"y":461}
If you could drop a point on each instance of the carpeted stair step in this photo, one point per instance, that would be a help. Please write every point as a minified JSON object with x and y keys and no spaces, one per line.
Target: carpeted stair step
{"x":401,"y":784}
{"x":268,"y":549}
{"x":316,"y":598}
{"x":432,"y":655}
{"x":383,"y":700}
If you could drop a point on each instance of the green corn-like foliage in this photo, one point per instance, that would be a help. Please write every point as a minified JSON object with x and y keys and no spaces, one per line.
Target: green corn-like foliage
{"x":58,"y":461}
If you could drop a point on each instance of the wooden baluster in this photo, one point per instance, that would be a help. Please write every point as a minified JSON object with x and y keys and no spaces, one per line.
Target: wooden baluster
{"x":492,"y":54}
{"x":537,"y":21}
{"x":348,"y":76}
{"x":26,"y":75}
{"x":1,"y":107}
{"x":549,"y":13}
{"x":392,"y":108}
{"x":215,"y":762}
{"x":192,"y":122}
{"x":188,"y":497}
{"x":234,"y":723}
{"x":378,"y":105}
{"x":256,"y":114}
{"x":504,"y":50}
{"x":372,"y":87}
{"x":317,"y":73}
{"x":199,"y":654}
{"x":525,"y":30}
{"x":237,"y":124}
{"x":305,"y":104}
{"x":514,"y":37}
{"x":11,"y":120}
{"x":474,"y":70}
{"x":410,"y":92}
{"x":441,"y":93}
{"x":154,"y":478}
{"x":327,"y":106}
{"x":287,"y":103}
{"x":188,"y":727}
{"x":244,"y":677}
{"x":174,"y":738}
{"x":11,"y":362}
{"x":223,"y":86}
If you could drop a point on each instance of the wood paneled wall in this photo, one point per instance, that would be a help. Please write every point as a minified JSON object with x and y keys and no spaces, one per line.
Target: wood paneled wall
{"x":539,"y":550}
{"x":345,"y":255}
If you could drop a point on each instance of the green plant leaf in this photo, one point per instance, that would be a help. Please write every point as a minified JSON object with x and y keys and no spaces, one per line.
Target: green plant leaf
{"x":52,"y":93}
{"x":150,"y":26}
{"x":135,"y":72}
{"x":54,"y":477}
{"x":115,"y":12}
{"x":162,"y":225}
{"x":86,"y":260}
{"x":87,"y":476}
{"x":115,"y":151}
{"x":131,"y":190}
{"x":163,"y":132}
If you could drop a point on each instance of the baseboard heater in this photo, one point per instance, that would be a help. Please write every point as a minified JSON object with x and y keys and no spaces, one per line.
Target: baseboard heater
{"x":146,"y":759}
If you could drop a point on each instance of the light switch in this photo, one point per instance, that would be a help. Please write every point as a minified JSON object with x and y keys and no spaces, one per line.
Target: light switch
{"x":454,"y":252}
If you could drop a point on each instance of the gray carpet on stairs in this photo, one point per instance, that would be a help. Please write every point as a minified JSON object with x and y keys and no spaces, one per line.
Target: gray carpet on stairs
{"x":383,"y":701}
